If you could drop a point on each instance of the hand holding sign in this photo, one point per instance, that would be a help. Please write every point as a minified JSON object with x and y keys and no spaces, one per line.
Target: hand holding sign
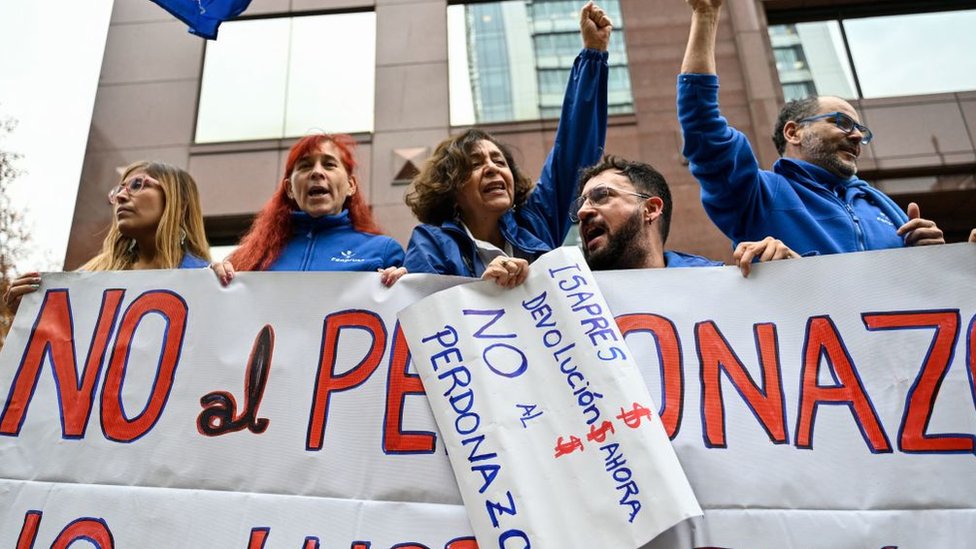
{"x":544,"y":413}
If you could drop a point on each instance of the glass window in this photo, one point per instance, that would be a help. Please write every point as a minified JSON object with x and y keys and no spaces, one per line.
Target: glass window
{"x":929,"y":183}
{"x":620,"y":99}
{"x":789,"y":58}
{"x":811,"y":59}
{"x":510,"y":60}
{"x":798,"y":90}
{"x":914,"y":54}
{"x":272,"y":78}
{"x":893,"y":56}
{"x":552,"y":81}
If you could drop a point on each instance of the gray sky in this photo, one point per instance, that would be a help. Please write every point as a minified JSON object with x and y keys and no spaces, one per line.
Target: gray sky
{"x":52,"y":54}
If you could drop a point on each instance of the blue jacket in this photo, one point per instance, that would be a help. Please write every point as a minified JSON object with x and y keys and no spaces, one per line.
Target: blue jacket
{"x":191,"y":261}
{"x":542,"y":223}
{"x":810,"y":209}
{"x":674,"y":259}
{"x":329,"y":243}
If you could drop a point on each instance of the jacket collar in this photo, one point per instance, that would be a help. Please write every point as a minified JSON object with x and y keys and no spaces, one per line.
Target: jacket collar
{"x":303,"y":222}
{"x":517,"y":236}
{"x":812,"y":174}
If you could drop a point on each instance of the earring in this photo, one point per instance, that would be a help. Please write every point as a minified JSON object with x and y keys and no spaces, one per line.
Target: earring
{"x":182,"y":237}
{"x":132,"y":245}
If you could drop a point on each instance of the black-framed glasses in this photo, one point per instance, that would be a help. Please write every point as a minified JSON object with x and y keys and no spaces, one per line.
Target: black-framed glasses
{"x":845,"y":123}
{"x":598,"y":196}
{"x":132,"y":186}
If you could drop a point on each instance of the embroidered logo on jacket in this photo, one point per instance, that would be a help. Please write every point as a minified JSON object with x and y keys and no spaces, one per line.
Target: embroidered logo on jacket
{"x":885,"y":219}
{"x":347,"y":257}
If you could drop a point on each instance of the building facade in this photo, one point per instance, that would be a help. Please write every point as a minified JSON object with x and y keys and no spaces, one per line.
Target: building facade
{"x":163,"y":94}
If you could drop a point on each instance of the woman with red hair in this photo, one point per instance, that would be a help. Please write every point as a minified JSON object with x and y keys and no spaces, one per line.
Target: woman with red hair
{"x":316,"y":220}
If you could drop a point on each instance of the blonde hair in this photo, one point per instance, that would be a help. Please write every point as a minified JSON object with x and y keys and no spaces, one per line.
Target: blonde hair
{"x":182,"y":220}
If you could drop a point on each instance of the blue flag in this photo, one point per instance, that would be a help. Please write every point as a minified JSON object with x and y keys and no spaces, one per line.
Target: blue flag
{"x":204,"y":16}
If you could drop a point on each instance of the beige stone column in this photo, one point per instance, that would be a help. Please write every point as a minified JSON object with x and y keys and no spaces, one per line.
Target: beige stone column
{"x":412,"y":105}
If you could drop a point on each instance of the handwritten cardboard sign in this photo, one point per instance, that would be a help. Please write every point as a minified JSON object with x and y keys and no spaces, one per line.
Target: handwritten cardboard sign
{"x":553,"y":437}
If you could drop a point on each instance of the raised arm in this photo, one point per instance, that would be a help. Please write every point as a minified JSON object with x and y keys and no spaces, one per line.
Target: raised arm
{"x":700,"y":52}
{"x":720,"y":157}
{"x":581,"y":135}
{"x":595,"y":27}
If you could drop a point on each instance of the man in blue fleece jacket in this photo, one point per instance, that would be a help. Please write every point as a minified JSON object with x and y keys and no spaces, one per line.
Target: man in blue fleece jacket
{"x":624,"y":213}
{"x":812,"y":199}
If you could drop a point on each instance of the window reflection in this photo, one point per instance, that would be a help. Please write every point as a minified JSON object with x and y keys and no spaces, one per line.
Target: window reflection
{"x":511,"y":60}
{"x":274,"y":78}
{"x":242,"y":95}
{"x":914,"y":54}
{"x":893,"y":56}
{"x":811,"y":59}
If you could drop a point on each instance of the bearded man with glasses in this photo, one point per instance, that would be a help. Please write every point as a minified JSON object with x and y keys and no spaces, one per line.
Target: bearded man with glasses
{"x":812,"y":198}
{"x":624,"y":213}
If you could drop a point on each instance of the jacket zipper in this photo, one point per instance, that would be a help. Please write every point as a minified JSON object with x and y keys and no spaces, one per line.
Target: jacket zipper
{"x":857,"y":227}
{"x":470,"y":257}
{"x":308,"y":250}
{"x":855,"y":220}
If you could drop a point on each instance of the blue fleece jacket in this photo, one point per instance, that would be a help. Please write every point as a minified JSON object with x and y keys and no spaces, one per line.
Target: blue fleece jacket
{"x":329,"y":243}
{"x":810,"y":209}
{"x":542,"y":223}
{"x":674,"y":259}
{"x":191,"y":261}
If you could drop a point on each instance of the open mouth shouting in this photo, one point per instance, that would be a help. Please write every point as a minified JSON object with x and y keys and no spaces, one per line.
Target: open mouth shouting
{"x":594,"y":234}
{"x":495,"y":188}
{"x":318,"y":191}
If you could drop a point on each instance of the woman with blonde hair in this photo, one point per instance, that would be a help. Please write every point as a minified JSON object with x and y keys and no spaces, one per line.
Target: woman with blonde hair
{"x":157,"y":223}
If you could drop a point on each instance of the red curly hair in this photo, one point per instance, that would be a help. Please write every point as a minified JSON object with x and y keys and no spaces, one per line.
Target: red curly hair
{"x":272,"y":228}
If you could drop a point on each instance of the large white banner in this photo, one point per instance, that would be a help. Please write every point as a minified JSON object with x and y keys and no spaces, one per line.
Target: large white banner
{"x":823,"y":402}
{"x":180,"y":414}
{"x":548,"y":425}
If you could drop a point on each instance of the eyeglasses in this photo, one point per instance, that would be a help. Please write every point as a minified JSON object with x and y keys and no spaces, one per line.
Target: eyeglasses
{"x":598,"y":196}
{"x":845,"y":123}
{"x":132,"y":186}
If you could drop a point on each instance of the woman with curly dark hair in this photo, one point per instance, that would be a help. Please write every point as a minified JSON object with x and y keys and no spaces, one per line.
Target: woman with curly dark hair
{"x":481,"y":215}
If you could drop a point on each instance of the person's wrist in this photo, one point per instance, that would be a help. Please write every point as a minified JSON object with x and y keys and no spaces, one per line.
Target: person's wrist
{"x":706,"y":14}
{"x":595,"y":47}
